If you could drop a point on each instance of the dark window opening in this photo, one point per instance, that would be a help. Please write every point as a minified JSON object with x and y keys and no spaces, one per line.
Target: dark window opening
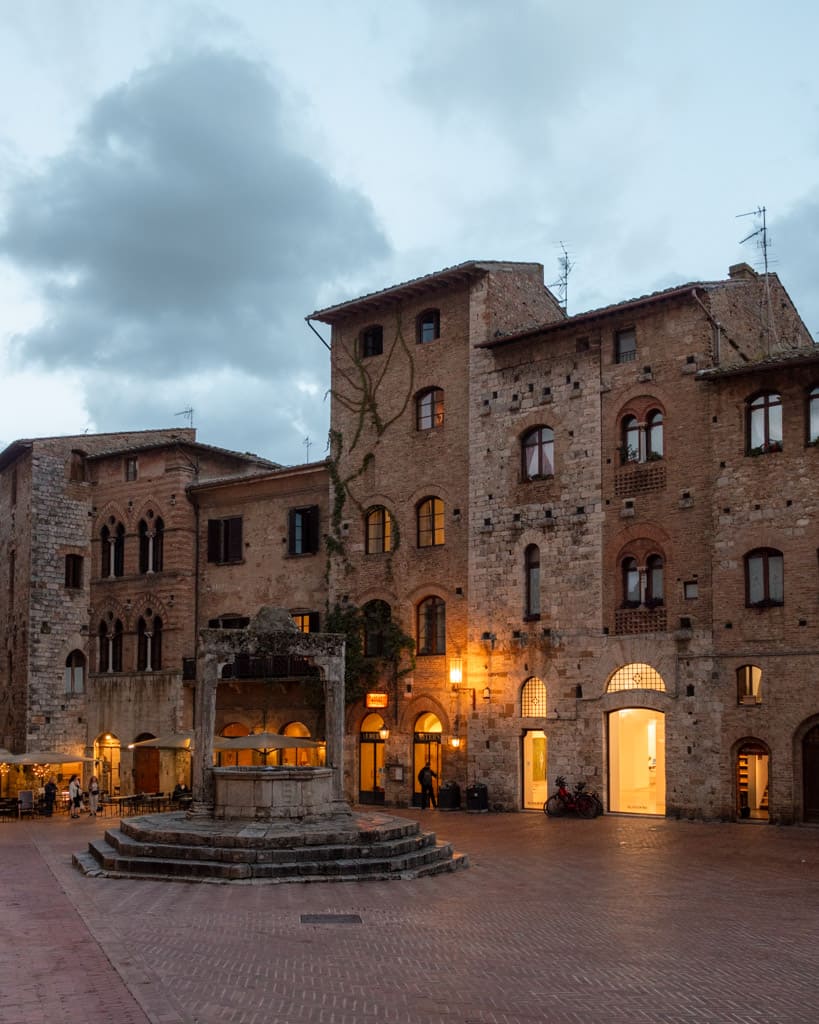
{"x":303,"y":530}
{"x":225,"y":540}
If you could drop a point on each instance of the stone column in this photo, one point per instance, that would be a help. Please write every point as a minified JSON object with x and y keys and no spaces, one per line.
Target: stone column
{"x":332,"y":670}
{"x":204,"y":716}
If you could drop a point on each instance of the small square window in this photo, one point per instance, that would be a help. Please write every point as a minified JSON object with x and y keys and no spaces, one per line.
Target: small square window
{"x":131,"y":468}
{"x":371,"y":341}
{"x":690,"y":590}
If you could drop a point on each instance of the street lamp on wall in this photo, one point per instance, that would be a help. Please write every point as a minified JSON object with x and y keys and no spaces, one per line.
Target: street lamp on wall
{"x":456,"y":671}
{"x":384,"y":731}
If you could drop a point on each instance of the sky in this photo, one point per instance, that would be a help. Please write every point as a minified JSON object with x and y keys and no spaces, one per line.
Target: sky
{"x":182,"y":183}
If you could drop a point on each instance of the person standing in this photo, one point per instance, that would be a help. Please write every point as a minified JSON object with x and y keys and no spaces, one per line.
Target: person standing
{"x":50,"y":795}
{"x":425,"y":777}
{"x":74,"y":796}
{"x":93,"y":796}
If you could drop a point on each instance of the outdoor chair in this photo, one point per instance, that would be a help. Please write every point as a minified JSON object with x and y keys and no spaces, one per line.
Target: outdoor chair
{"x":26,"y":804}
{"x":8,"y":809}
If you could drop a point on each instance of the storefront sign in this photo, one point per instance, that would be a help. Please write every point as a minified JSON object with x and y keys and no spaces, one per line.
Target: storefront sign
{"x":377,"y":700}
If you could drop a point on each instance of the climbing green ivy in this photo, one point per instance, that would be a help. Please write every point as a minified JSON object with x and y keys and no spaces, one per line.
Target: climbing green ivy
{"x":365,"y":672}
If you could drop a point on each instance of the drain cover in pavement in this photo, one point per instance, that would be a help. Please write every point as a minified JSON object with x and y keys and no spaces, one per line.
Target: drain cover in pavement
{"x":330,"y":919}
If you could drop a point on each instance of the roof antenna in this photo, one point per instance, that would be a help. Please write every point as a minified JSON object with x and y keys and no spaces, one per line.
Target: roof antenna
{"x":763,"y":242}
{"x":187,"y":412}
{"x":561,"y":285}
{"x":307,"y":445}
{"x":761,"y":232}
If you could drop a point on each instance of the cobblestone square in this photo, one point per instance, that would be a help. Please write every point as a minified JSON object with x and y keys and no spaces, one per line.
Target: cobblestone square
{"x":560,"y":921}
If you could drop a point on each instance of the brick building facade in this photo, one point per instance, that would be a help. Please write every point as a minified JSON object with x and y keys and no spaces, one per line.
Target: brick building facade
{"x":583,"y":512}
{"x":97,"y":594}
{"x":597,"y":532}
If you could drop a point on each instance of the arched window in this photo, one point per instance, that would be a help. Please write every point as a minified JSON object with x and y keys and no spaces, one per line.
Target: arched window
{"x":430,"y":516}
{"x":630,"y":434}
{"x":149,"y":643}
{"x":654,"y":580}
{"x":538,"y":450}
{"x":813,"y":416}
{"x":112,"y":537}
{"x":764,"y":433}
{"x":637,"y":676}
{"x":150,"y":544}
{"x":764,"y":578}
{"x":431,"y":626}
{"x":428,"y":326}
{"x":632,"y":595}
{"x":379,"y":531}
{"x":110,"y":646}
{"x":531,"y":563}
{"x":377,"y":616}
{"x":533,"y":698}
{"x":429,"y":409}
{"x":749,"y":684}
{"x":75,"y":672}
{"x":654,"y":435}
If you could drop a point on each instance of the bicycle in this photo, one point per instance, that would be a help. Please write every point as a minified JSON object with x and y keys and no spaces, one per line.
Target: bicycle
{"x":584,"y":804}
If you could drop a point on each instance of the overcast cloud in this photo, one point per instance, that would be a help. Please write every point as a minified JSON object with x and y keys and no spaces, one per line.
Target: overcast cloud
{"x":181,"y":236}
{"x":181,"y":184}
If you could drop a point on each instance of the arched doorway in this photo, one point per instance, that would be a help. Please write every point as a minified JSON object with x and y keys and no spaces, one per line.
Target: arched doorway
{"x":426,"y":746}
{"x":534,"y":704}
{"x":535,"y":782}
{"x":107,"y":756}
{"x":752,"y":781}
{"x":233,"y":758}
{"x":302,"y":756}
{"x":146,"y":766}
{"x":371,"y":760}
{"x":637,"y":761}
{"x":810,"y":775}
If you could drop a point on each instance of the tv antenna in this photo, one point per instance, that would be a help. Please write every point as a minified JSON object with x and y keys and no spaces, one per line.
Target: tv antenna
{"x":763,"y":242}
{"x":561,"y":285}
{"x":307,"y":445}
{"x":187,"y":412}
{"x":761,"y":233}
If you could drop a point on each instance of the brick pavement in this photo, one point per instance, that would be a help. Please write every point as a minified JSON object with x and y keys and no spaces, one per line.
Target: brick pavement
{"x":562,"y":921}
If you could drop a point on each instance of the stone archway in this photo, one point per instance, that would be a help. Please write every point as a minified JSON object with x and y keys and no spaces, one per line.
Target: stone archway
{"x":272,"y":633}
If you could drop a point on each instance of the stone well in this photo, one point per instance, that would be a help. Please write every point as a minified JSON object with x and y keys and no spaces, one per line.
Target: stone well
{"x":272,"y":793}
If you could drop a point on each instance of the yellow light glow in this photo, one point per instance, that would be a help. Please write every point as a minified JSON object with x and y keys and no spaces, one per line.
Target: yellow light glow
{"x":455,"y":742}
{"x":456,"y":671}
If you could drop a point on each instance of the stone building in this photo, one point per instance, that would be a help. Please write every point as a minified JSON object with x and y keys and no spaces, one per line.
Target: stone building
{"x":97,"y":594}
{"x":585,"y":523}
{"x":261,"y":543}
{"x":581,"y":545}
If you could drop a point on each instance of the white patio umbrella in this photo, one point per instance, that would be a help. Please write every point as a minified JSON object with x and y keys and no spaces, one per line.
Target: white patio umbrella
{"x":174,"y":741}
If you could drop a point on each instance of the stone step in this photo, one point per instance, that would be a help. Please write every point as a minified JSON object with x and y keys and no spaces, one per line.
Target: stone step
{"x":129,"y":847}
{"x":103,"y":858}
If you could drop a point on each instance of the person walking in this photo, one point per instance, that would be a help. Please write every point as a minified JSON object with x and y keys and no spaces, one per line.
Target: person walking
{"x":425,"y":777}
{"x":93,"y":796}
{"x":50,"y":795}
{"x":74,"y":796}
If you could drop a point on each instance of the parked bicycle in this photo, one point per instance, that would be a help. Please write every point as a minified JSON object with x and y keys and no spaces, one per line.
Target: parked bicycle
{"x":584,"y":803}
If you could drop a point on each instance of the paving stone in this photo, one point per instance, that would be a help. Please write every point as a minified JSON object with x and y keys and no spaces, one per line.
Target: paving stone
{"x":610,"y":921}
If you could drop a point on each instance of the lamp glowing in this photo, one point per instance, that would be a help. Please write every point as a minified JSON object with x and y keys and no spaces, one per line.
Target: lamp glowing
{"x":384,"y":731}
{"x":456,"y":671}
